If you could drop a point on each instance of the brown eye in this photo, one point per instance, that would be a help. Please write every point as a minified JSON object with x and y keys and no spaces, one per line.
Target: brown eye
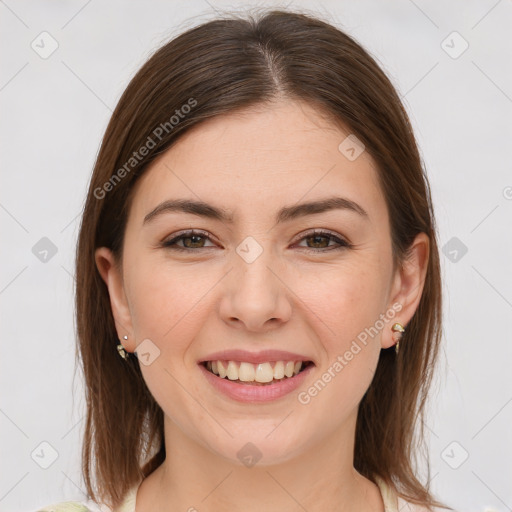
{"x":316,"y":241}
{"x":320,"y":240}
{"x":191,"y":240}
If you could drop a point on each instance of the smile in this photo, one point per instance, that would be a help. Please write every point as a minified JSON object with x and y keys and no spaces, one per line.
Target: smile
{"x":252,"y":383}
{"x":256,"y":374}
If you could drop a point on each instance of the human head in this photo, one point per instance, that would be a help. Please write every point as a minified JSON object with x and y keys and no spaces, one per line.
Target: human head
{"x":228,"y":67}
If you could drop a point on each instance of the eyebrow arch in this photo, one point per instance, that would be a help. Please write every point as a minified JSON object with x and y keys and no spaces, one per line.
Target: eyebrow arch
{"x":286,"y":213}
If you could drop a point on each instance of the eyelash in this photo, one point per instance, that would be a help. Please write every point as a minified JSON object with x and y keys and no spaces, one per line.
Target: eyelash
{"x":171,"y":244}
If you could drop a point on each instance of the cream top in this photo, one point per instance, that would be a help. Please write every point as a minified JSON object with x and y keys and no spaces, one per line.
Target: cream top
{"x":388,"y":497}
{"x":392,"y":503}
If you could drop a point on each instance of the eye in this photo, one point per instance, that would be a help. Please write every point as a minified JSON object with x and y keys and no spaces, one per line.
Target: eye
{"x":191,"y":240}
{"x":322,"y":239}
{"x":194,"y":239}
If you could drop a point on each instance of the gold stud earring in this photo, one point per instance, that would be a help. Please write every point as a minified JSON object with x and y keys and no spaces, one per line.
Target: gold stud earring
{"x":121,"y":349}
{"x":398,"y":329}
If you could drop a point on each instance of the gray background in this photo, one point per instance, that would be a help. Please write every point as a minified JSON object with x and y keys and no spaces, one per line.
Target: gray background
{"x":54,"y":113}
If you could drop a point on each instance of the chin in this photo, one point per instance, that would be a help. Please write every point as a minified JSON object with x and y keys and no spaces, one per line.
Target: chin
{"x":261,"y":449}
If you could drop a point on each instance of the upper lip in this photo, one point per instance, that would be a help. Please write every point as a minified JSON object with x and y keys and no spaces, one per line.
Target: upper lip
{"x":262,"y":356}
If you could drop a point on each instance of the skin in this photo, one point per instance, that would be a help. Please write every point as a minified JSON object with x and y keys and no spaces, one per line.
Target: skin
{"x":313,"y":303}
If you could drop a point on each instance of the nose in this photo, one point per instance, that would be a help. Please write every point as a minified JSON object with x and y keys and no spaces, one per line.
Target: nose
{"x":255,"y":296}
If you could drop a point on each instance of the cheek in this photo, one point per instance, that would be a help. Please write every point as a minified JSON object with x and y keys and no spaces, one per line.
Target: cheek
{"x":166,"y":308}
{"x":346,"y":307}
{"x":164,"y":302}
{"x":347,"y":303}
{"x":344,"y":300}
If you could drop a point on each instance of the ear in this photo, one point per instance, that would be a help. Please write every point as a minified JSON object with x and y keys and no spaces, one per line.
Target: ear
{"x":112,"y":275}
{"x":408,"y":283}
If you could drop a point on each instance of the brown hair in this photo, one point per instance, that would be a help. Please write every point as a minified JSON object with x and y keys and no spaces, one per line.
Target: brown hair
{"x":215,"y":68}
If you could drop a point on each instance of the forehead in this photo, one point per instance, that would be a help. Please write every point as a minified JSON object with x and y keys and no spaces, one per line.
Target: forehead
{"x":247,"y":161}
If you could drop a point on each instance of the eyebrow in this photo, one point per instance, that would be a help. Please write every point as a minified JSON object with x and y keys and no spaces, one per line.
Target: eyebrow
{"x":285,"y":214}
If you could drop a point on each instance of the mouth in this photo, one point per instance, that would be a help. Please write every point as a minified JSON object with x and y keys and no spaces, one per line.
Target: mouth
{"x":260,"y":374}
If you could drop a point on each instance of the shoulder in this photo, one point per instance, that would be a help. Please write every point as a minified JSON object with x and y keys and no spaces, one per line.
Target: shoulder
{"x":406,"y":506}
{"x":128,"y":505}
{"x":395,"y":503}
{"x":65,"y":506}
{"x":72,"y":506}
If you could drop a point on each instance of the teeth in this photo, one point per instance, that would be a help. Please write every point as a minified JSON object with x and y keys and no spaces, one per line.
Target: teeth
{"x":232,"y":371}
{"x":221,"y":369}
{"x":248,"y":372}
{"x":279,"y":370}
{"x":288,"y":369}
{"x":264,"y":373}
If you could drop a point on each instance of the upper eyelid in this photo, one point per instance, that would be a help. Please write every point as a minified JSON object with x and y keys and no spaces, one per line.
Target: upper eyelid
{"x":190,"y":232}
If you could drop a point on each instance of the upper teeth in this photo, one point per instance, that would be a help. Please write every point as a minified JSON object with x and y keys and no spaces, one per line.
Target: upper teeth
{"x":248,"y":372}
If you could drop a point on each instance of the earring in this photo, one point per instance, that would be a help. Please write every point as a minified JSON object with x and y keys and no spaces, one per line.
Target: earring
{"x":121,"y":349}
{"x":397,"y":329}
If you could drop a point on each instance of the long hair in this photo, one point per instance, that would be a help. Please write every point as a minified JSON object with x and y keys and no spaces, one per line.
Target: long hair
{"x":216,"y":68}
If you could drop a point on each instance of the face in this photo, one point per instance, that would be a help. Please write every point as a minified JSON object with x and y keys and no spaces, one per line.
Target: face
{"x":259,"y":280}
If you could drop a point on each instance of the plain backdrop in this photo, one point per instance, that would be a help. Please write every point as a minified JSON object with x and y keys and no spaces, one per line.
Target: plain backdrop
{"x":64,"y":66}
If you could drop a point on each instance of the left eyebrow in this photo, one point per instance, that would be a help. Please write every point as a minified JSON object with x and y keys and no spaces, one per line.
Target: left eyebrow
{"x":285,"y":214}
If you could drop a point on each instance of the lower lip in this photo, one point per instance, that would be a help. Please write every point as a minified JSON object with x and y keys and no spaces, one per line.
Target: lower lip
{"x":255,"y":393}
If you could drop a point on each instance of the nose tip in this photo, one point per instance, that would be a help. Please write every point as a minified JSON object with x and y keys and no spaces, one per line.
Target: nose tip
{"x":255,"y":298}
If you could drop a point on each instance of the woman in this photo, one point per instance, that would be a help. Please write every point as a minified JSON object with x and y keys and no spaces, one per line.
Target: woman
{"x":258,"y":284}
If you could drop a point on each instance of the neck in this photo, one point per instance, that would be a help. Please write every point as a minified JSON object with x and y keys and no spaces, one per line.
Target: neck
{"x":320,"y":478}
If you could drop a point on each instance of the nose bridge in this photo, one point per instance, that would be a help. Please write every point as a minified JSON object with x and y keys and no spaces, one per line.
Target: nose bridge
{"x":253,"y":264}
{"x":255,"y":295}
